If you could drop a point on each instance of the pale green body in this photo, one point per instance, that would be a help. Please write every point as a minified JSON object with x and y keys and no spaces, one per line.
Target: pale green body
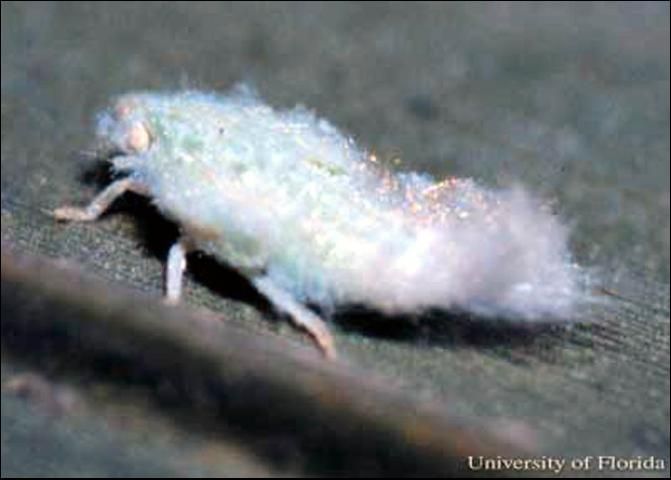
{"x":286,"y":195}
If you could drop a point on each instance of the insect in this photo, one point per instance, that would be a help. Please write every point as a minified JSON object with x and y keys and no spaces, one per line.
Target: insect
{"x":309,"y":217}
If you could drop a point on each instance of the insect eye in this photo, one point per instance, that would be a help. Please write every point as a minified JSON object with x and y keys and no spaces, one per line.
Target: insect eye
{"x":124,"y":108}
{"x":138,"y":138}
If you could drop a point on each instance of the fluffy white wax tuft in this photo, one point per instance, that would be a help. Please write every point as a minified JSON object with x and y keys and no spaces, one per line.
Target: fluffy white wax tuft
{"x":284,"y":193}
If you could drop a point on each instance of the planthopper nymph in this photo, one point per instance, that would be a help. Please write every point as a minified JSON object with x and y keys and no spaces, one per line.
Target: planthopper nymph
{"x":309,"y":217}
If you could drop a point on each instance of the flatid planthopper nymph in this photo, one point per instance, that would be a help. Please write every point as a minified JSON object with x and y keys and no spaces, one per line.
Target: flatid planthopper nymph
{"x":309,"y":217}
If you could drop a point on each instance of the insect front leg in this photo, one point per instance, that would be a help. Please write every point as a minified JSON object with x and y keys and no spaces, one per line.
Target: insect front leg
{"x":174,"y":270}
{"x":299,"y":314}
{"x":99,"y":204}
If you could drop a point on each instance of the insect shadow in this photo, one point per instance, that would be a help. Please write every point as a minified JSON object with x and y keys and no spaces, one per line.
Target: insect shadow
{"x":440,"y":327}
{"x":433,"y":327}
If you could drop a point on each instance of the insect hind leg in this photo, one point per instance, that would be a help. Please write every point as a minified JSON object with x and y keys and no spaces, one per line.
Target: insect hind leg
{"x":299,"y":314}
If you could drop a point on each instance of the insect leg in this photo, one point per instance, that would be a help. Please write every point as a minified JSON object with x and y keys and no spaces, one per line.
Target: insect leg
{"x":300,"y":315}
{"x":174,"y":270}
{"x":100,"y":203}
